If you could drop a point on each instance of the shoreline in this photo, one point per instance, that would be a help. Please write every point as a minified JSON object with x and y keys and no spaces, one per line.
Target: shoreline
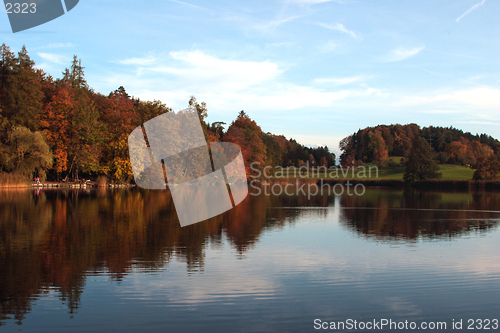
{"x":60,"y":185}
{"x":435,"y":184}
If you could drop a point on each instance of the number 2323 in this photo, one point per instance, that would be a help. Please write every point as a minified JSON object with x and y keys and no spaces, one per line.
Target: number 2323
{"x":23,"y":8}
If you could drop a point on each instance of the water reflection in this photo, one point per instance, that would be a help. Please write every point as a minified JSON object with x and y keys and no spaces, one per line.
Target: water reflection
{"x":52,"y":240}
{"x":410,"y":215}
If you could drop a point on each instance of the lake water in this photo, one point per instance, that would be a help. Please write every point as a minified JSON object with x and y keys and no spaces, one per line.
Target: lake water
{"x":117,"y":260}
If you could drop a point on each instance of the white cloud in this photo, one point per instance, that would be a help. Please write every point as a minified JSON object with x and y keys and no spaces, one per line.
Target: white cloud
{"x":485,"y":98}
{"x":227,"y":84}
{"x":479,"y":122}
{"x":341,"y":81}
{"x":402,"y":53}
{"x":259,"y":87}
{"x":338,"y":27}
{"x":476,"y":6}
{"x":148,"y":60}
{"x":231,"y":84}
{"x":51,"y":57}
{"x":197,"y":69}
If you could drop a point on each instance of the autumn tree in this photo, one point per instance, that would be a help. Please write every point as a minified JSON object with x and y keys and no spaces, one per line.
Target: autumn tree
{"x":247,"y":135}
{"x":421,"y":163}
{"x":323,"y":161}
{"x":55,"y":124}
{"x":487,"y":168}
{"x":119,"y":117}
{"x":378,"y":147}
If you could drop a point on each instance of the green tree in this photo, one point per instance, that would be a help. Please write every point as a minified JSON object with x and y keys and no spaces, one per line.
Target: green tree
{"x":21,"y":93}
{"x":148,"y":110}
{"x":273,"y":150}
{"x":28,"y":152}
{"x":421,"y":163}
{"x":75,"y":76}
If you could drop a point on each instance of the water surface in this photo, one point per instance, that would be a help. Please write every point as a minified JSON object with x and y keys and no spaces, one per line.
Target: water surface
{"x":117,"y":260}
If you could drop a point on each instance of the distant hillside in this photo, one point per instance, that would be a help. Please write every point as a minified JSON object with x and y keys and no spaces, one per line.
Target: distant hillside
{"x":451,"y":145}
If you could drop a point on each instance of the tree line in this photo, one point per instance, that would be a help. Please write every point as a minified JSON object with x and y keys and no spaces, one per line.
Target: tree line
{"x":422,"y":149}
{"x":63,"y":129}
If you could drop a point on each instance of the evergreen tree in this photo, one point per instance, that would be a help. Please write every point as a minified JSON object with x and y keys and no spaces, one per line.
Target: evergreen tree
{"x":21,"y":94}
{"x":75,"y":76}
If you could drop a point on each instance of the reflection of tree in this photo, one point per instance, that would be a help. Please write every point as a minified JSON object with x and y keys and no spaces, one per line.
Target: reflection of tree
{"x":24,"y":220}
{"x":55,"y":239}
{"x":412,"y":215}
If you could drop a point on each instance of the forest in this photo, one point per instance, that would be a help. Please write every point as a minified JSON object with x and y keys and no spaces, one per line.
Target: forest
{"x":61,"y":129}
{"x":435,"y":145}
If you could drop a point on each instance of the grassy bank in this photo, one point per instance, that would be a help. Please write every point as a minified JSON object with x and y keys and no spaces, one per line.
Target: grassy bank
{"x":453,"y":177}
{"x":370,"y":171}
{"x":452,"y":185}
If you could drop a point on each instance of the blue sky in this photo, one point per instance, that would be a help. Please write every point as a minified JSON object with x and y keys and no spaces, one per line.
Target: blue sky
{"x":313,"y":70}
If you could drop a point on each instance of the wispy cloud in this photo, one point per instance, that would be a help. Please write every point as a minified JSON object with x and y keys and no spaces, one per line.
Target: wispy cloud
{"x":341,"y":81}
{"x":144,"y":61}
{"x":226,"y":84}
{"x":481,"y":98}
{"x":271,"y":25}
{"x":51,"y":57}
{"x":476,"y":6}
{"x":188,"y":4}
{"x":479,"y":122}
{"x":309,"y":2}
{"x":329,"y":46}
{"x":402,"y":53}
{"x":338,"y":27}
{"x":197,"y":69}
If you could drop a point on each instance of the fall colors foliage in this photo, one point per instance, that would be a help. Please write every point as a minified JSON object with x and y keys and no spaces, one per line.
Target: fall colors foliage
{"x":87,"y":131}
{"x":445,"y":145}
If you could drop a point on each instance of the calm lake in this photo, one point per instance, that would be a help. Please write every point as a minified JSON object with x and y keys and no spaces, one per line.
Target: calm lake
{"x":117,"y":260}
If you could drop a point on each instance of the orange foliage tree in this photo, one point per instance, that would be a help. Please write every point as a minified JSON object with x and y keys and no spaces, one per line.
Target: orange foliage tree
{"x":55,"y":123}
{"x":247,"y":135}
